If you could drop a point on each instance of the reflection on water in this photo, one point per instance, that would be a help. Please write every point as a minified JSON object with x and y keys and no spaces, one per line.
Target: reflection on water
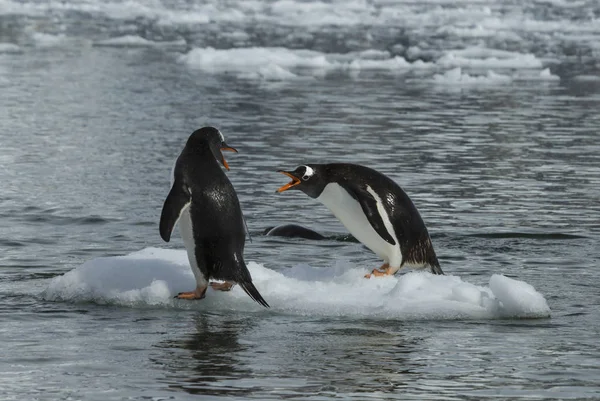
{"x":237,"y":356}
{"x":202,"y":361}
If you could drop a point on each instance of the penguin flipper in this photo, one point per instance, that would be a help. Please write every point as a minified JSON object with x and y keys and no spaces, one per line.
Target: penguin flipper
{"x":177,"y":201}
{"x":368,"y":203}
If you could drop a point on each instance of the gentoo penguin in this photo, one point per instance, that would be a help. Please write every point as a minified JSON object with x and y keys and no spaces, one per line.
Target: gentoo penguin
{"x":374,"y":209}
{"x":292,"y":231}
{"x":207,"y":208}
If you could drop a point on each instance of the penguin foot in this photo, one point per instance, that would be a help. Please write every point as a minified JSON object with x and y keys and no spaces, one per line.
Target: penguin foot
{"x":225,"y":286}
{"x":198,"y":293}
{"x":386,"y":271}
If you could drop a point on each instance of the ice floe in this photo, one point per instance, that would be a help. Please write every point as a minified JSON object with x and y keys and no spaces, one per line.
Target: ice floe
{"x":152,"y":276}
{"x":137,"y":41}
{"x":281,"y":63}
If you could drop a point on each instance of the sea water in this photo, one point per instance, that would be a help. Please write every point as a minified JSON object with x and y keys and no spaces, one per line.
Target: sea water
{"x":484,"y":112}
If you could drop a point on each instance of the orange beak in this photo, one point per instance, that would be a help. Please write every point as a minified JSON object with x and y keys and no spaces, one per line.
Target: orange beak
{"x":228,"y":149}
{"x":295,"y":181}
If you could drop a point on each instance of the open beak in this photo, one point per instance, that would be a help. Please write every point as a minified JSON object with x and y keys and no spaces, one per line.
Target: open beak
{"x":295,"y":181}
{"x":225,"y":147}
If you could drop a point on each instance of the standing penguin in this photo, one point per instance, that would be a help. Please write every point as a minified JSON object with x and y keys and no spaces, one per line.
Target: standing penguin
{"x":207,"y":208}
{"x":374,"y":209}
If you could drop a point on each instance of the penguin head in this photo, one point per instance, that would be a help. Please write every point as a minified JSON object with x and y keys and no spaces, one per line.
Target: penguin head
{"x":306,"y":178}
{"x":211,"y":138}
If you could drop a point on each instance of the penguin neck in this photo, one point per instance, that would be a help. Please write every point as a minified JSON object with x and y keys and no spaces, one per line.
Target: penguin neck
{"x":203,"y":151}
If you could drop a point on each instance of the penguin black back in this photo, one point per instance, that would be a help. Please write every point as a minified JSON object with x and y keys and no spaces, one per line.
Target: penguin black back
{"x":201,"y":188}
{"x":413,"y":236}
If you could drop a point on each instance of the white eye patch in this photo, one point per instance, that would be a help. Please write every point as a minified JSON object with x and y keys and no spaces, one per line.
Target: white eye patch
{"x":222,"y":137}
{"x":309,"y":173}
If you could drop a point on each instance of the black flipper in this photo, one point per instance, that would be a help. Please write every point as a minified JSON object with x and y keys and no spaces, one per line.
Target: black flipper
{"x":177,"y":200}
{"x":253,"y":293}
{"x":369,"y":207}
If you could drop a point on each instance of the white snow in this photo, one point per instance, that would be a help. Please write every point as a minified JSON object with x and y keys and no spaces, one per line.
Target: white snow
{"x":152,"y":276}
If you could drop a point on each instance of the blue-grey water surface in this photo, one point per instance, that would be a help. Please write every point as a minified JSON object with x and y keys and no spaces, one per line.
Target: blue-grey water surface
{"x":505,"y":174}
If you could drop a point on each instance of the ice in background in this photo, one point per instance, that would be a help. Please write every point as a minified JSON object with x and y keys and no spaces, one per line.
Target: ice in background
{"x":445,"y":42}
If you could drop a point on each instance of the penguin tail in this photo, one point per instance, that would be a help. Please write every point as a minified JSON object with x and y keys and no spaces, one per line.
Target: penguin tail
{"x":436,"y":269}
{"x":253,"y":293}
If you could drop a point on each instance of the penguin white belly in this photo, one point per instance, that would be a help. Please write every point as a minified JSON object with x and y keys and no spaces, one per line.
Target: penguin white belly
{"x":350,"y":213}
{"x":187,"y":234}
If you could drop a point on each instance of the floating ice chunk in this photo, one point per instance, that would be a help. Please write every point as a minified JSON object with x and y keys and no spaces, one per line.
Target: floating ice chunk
{"x":46,"y":39}
{"x":523,"y":61}
{"x":270,"y":73}
{"x":151,"y":277}
{"x":477,"y":31}
{"x":535,"y":75}
{"x":137,"y":41}
{"x":455,"y":76}
{"x":127,"y":40}
{"x":138,"y":278}
{"x":9,"y":48}
{"x":371,"y":54}
{"x":587,"y":78}
{"x":484,"y":52}
{"x":565,"y":3}
{"x":183,"y":18}
{"x":288,"y":63}
{"x":396,"y":63}
{"x":516,"y":297}
{"x":546,"y":75}
{"x":252,"y":59}
{"x":320,"y":13}
{"x":488,"y":58}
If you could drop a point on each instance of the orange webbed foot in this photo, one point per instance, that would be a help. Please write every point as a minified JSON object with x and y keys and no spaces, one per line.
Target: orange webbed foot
{"x":198,"y":293}
{"x":385,"y":271}
{"x":225,"y":286}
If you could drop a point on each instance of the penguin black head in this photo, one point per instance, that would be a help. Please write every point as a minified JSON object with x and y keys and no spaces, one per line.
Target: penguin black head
{"x":309,"y":179}
{"x":211,"y":138}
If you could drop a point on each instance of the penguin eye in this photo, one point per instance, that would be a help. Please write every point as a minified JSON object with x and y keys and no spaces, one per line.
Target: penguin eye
{"x":305,"y":177}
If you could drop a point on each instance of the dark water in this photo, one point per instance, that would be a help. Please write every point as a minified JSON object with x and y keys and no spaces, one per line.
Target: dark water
{"x":507,"y":178}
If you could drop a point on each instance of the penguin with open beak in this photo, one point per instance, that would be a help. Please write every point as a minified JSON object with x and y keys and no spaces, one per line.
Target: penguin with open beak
{"x":374,"y":209}
{"x":204,"y":203}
